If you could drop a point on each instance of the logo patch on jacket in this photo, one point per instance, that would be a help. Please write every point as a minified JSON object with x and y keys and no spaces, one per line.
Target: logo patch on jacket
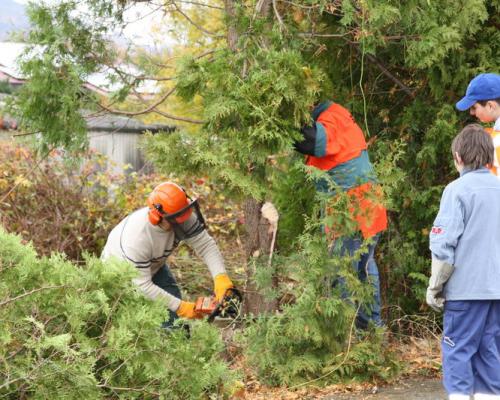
{"x":437,"y":230}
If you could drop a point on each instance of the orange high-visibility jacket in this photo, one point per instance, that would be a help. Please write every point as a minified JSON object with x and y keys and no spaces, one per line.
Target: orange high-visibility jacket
{"x":340,"y":145}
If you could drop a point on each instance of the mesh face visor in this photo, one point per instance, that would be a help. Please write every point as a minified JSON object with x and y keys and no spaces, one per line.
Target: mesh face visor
{"x":189,"y":228}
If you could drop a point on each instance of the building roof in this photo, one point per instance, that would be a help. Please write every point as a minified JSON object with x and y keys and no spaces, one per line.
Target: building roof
{"x":118,"y":123}
{"x":100,"y":122}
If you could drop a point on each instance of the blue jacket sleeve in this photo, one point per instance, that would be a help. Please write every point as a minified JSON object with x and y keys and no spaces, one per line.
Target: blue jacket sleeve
{"x":448,"y":227}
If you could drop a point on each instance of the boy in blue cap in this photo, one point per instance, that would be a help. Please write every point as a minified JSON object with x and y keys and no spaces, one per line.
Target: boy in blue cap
{"x":482,"y":99}
{"x":465,"y":279}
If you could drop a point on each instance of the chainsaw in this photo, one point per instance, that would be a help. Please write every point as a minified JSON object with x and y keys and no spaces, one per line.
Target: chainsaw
{"x":229,"y":307}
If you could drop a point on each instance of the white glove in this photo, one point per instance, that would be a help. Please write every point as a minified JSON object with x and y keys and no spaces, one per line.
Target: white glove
{"x":434,"y":301}
{"x":269,"y":212}
{"x":441,"y":272}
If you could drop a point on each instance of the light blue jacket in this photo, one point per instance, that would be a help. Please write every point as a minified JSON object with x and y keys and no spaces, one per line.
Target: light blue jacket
{"x":466,"y":234}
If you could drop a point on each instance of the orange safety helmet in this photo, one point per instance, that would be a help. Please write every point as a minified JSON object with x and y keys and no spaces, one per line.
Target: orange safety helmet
{"x":168,"y":200}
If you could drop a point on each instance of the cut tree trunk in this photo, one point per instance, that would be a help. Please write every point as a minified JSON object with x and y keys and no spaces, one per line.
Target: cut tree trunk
{"x":257,"y":244}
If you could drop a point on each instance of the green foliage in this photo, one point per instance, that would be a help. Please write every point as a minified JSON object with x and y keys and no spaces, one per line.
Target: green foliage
{"x":64,"y":206}
{"x":424,"y":57}
{"x":64,"y":49}
{"x":313,"y":339}
{"x":294,"y":209}
{"x":70,"y":206}
{"x":434,"y":53}
{"x":415,"y":201}
{"x":398,"y":66}
{"x":257,"y":114}
{"x":86,"y":332}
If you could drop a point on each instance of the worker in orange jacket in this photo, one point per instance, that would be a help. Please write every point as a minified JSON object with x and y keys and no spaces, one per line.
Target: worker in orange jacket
{"x":334,"y":143}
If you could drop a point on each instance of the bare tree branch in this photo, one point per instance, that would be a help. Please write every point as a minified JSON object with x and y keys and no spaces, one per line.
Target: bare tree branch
{"x":29,"y":173}
{"x":325,"y":35}
{"x":372,"y":58}
{"x":352,"y":32}
{"x":151,"y":109}
{"x":201,"y":4}
{"x":175,"y":118}
{"x":128,"y":389}
{"x":145,"y":111}
{"x":197,"y":26}
{"x":278,"y":16}
{"x":262,"y":8}
{"x":386,"y":72}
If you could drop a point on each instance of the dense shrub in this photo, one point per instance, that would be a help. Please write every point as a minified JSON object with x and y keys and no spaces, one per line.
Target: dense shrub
{"x":398,"y":69}
{"x":86,"y":333}
{"x":60,"y":206}
{"x":314,"y":339}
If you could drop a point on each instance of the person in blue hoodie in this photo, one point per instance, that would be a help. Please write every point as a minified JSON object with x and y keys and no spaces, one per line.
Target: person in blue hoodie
{"x":465,"y":278}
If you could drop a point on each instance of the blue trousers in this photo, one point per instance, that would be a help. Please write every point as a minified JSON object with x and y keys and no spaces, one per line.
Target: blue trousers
{"x":367,"y":270}
{"x":471,"y":358}
{"x":164,"y":279}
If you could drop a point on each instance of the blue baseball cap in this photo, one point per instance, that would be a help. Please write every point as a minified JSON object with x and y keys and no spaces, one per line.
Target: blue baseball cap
{"x":482,"y":87}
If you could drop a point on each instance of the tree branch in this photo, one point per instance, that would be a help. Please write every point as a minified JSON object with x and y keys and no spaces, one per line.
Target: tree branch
{"x":232,"y":33}
{"x":128,"y":389}
{"x":197,"y":26}
{"x":151,"y":109}
{"x":325,"y":35}
{"x":262,"y":8}
{"x":30,"y":293}
{"x":278,"y":16}
{"x":386,"y":72}
{"x":175,"y":118}
{"x":145,"y":111}
{"x":201,"y":4}
{"x":29,"y":173}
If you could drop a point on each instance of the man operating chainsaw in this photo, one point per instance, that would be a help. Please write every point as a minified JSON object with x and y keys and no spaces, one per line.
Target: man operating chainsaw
{"x":148,"y":236}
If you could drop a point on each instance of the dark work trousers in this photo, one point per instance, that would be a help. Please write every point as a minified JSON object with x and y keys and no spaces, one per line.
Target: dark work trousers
{"x":471,"y":359}
{"x":367,"y":271}
{"x":164,"y":279}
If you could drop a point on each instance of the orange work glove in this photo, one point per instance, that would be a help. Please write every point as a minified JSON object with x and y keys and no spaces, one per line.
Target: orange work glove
{"x":221,"y":284}
{"x":186,"y":310}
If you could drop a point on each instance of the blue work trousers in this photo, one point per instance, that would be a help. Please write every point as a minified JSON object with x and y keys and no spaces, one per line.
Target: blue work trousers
{"x":164,"y":279}
{"x":471,"y":359}
{"x":367,"y":270}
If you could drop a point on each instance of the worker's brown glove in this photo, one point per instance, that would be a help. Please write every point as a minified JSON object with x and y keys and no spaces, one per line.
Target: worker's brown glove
{"x":221,"y":284}
{"x":187,"y":310}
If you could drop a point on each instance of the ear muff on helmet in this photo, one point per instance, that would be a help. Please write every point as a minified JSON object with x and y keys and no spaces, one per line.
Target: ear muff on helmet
{"x":154,"y":216}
